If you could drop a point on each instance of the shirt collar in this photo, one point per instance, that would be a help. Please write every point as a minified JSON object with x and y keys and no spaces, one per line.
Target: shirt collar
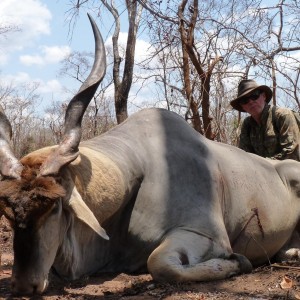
{"x":264,"y":115}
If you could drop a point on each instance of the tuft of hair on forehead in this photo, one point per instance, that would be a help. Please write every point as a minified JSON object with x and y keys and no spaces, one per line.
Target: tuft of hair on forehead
{"x":31,"y":196}
{"x":35,"y":160}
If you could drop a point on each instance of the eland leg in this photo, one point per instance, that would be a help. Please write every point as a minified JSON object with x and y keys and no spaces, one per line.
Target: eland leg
{"x":187,"y":256}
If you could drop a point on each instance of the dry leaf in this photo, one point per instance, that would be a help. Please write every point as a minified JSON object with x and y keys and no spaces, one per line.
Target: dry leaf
{"x":286,"y":283}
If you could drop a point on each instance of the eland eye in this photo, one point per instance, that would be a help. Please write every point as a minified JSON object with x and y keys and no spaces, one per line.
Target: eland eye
{"x":55,"y":208}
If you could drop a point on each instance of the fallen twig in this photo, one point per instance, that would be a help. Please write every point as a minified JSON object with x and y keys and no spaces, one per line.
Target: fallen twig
{"x":284,"y":267}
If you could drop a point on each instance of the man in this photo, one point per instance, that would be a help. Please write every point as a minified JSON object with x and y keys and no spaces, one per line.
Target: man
{"x":271,"y":132}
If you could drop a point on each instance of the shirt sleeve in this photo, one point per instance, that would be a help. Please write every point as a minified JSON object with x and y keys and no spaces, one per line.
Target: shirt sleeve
{"x":244,"y":142}
{"x":288,"y":129}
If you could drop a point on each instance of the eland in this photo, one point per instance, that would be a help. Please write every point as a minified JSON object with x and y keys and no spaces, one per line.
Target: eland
{"x":151,"y":194}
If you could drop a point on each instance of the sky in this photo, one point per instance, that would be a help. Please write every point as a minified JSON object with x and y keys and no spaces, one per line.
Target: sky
{"x":34,"y":53}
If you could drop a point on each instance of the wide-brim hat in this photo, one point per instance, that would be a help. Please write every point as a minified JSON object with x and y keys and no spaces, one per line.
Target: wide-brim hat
{"x":246,"y":87}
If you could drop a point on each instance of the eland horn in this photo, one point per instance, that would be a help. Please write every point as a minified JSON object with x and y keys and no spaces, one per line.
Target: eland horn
{"x":67,"y":150}
{"x":9,"y":164}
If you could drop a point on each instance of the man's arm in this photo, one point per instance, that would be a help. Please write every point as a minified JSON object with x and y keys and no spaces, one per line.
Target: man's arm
{"x":289,"y":135}
{"x":244,"y":142}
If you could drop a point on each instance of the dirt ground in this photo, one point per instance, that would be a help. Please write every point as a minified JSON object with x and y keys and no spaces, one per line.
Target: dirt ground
{"x":266,"y":282}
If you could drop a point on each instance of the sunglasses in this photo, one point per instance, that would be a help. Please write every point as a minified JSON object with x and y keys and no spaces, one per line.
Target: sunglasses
{"x":254,"y":96}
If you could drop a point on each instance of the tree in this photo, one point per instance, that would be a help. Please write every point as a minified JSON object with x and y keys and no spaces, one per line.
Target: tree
{"x":186,"y":29}
{"x":200,"y":52}
{"x":223,"y":42}
{"x":6,"y":29}
{"x":28,"y":131}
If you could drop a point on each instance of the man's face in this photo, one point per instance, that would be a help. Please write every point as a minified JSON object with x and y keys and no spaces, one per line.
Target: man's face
{"x":254,"y":103}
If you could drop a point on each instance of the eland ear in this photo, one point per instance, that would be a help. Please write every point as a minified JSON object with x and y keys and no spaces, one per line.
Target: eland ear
{"x":82,"y":212}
